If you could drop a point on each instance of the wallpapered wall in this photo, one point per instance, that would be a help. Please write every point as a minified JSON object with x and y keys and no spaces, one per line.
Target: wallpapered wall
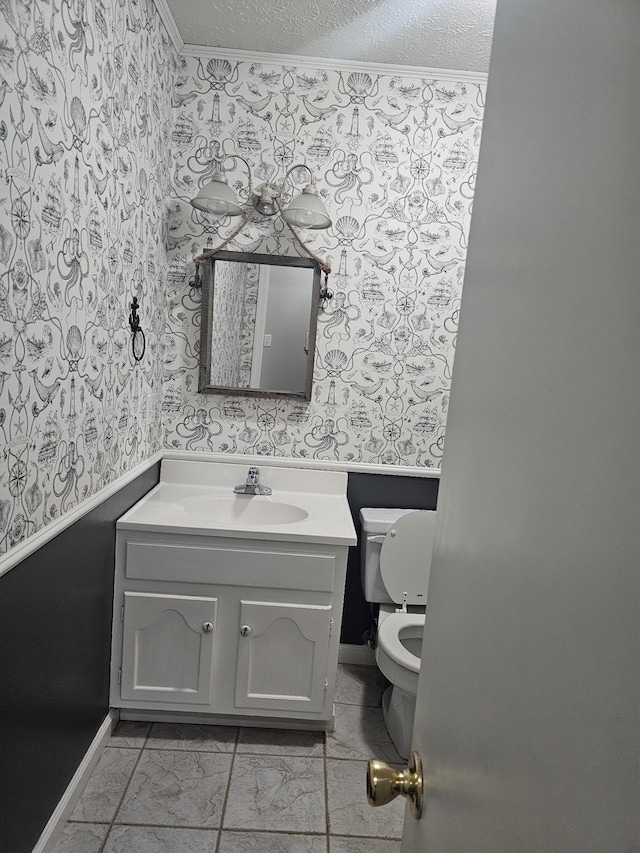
{"x":85,"y":142}
{"x":395,"y":160}
{"x":233,"y":324}
{"x":100,"y":153}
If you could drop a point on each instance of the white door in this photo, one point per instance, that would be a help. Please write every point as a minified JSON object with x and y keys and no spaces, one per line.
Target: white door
{"x":527,"y":720}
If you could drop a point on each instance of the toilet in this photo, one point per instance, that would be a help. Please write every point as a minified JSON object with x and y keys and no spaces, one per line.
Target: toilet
{"x":396,"y":550}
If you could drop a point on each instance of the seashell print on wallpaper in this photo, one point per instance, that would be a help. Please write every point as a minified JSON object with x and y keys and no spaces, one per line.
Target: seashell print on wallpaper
{"x":105,"y":135}
{"x":85,"y":146}
{"x":395,"y":161}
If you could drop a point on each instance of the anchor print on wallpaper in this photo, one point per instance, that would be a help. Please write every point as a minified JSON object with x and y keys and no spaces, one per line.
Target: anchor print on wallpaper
{"x":105,"y":135}
{"x":394,"y":158}
{"x":85,"y":95}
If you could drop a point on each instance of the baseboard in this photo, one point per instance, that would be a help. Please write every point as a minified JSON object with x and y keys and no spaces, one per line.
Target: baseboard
{"x":291,"y":723}
{"x":356,"y":654}
{"x":53,"y":829}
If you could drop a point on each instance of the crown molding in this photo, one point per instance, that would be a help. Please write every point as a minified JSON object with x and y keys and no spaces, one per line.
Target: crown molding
{"x":325,"y":64}
{"x":170,"y":24}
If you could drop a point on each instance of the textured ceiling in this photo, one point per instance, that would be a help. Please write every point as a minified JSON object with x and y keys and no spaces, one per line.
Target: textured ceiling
{"x":451,"y":34}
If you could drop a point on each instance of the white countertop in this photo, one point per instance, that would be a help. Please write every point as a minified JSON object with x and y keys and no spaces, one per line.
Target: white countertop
{"x":188,"y":494}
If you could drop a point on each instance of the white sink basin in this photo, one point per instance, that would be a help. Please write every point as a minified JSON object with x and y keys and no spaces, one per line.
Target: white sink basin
{"x":197,"y":497}
{"x":245,"y":510}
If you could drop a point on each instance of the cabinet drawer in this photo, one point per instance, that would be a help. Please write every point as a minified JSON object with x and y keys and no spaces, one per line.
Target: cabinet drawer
{"x":237,"y":567}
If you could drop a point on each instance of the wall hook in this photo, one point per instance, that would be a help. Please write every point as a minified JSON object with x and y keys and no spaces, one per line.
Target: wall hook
{"x":138,"y":341}
{"x":196,"y":282}
{"x":325,"y":293}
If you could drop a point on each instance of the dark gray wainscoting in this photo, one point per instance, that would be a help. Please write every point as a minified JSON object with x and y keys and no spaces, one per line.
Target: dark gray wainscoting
{"x":55,"y":634}
{"x":377,"y":490}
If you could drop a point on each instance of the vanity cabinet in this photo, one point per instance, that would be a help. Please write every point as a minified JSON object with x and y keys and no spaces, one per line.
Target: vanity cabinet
{"x":221,"y":629}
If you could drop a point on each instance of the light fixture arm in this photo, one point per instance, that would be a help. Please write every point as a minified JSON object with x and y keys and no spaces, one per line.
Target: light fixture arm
{"x":295,"y":168}
{"x":266,"y":197}
{"x":242,"y":160}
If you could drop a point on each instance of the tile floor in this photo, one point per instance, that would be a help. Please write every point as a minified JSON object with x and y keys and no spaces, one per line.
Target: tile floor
{"x":167,"y":788}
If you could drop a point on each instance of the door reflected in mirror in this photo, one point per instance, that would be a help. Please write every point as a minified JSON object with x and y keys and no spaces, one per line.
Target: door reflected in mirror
{"x":258,"y":325}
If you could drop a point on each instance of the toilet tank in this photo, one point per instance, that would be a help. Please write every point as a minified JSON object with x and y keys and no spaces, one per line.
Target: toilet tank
{"x":376,"y":522}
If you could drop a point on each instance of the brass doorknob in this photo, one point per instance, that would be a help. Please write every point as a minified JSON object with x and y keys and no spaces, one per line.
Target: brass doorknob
{"x":384,"y":783}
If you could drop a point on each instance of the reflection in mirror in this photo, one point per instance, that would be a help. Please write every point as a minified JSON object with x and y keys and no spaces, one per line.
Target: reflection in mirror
{"x":258,"y":324}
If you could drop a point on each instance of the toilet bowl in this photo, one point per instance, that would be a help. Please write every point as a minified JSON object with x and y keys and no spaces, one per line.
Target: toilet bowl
{"x":396,"y":562}
{"x":399,"y":649}
{"x":398,"y":653}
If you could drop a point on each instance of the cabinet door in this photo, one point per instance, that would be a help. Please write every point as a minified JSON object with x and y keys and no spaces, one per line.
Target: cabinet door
{"x":282,"y":656}
{"x":167,"y":648}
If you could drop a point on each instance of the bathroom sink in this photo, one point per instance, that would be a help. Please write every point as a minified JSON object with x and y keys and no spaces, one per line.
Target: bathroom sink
{"x":245,"y":510}
{"x":198,"y":498}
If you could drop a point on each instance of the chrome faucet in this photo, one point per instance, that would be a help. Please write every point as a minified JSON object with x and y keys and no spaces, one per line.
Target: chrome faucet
{"x":252,"y":486}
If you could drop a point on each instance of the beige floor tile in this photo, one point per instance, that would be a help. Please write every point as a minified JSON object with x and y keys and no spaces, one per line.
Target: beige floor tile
{"x":349,"y":812}
{"x":156,"y":839}
{"x":82,"y":838}
{"x":174,"y":800}
{"x":271,"y":842}
{"x":130,"y":733}
{"x":177,"y":788}
{"x":281,"y":742}
{"x":277,"y":793}
{"x":359,"y":685}
{"x":193,"y":738}
{"x":360,"y":733}
{"x":108,"y":782}
{"x":342,"y":844}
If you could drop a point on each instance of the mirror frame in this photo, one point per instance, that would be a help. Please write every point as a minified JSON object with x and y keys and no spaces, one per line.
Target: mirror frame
{"x":206,"y":319}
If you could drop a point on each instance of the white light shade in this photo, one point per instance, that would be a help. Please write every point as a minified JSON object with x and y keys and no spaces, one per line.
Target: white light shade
{"x":217,"y":198}
{"x":307,"y":210}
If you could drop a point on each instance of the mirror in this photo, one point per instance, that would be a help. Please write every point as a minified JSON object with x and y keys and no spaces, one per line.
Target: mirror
{"x":258,"y":333}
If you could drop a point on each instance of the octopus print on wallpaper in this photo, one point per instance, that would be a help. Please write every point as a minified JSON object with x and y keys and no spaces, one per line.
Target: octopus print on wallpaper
{"x":85,"y":94}
{"x":105,"y":135}
{"x":394,"y":157}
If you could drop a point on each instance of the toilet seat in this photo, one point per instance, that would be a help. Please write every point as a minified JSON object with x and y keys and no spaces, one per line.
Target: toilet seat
{"x":394,"y":660}
{"x":405,"y":557}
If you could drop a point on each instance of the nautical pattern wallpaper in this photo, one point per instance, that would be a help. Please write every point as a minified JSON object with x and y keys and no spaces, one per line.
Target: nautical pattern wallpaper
{"x":394,"y":158}
{"x":105,"y":135}
{"x":85,"y":160}
{"x":233,"y":326}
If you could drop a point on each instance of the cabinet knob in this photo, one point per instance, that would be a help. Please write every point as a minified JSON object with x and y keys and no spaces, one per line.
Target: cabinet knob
{"x":207,"y":627}
{"x":245,"y":630}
